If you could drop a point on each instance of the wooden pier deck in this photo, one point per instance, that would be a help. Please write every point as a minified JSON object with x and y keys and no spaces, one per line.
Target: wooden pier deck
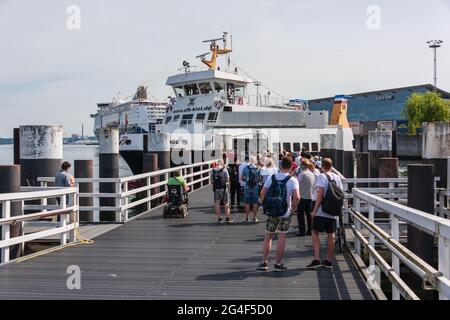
{"x":154,"y":258}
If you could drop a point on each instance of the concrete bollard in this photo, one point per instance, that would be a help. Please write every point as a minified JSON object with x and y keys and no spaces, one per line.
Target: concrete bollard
{"x":380,"y":146}
{"x":421,"y":197}
{"x":328,"y":144}
{"x":108,"y":168}
{"x":10,"y":183}
{"x":85,"y":169}
{"x":151,"y":165}
{"x":41,"y":152}
{"x":436,"y":148}
{"x":16,"y":134}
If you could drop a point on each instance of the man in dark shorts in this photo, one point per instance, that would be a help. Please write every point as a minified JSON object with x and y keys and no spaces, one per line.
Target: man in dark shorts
{"x":323,"y":222}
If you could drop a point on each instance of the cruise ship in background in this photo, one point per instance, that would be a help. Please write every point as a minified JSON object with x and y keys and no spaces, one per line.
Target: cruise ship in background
{"x":138,"y":116}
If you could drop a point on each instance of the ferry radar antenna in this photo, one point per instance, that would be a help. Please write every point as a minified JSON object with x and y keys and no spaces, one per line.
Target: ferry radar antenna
{"x":215,"y":51}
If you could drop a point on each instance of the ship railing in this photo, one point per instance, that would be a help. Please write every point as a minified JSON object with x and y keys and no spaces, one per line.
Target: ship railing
{"x":444,"y":203}
{"x":135,"y":193}
{"x":265,"y":101}
{"x":18,"y":210}
{"x":377,"y":218}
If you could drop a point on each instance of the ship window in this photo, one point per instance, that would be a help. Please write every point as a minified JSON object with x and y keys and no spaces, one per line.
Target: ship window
{"x":191,"y":89}
{"x":179,"y":91}
{"x":239,"y":91}
{"x":200,"y":117}
{"x":315,"y":147}
{"x":168,"y":119}
{"x":287,"y":146}
{"x":297,"y":147}
{"x":306,"y":146}
{"x":187,"y":119}
{"x":176,"y":118}
{"x":219,"y":87}
{"x":205,"y":87}
{"x":230,"y":89}
{"x":212,"y":116}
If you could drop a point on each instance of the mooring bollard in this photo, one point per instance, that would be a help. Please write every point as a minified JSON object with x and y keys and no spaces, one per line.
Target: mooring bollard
{"x":380,"y":146}
{"x":16,"y":145}
{"x":151,"y":165}
{"x":41,"y":152}
{"x":85,"y":169}
{"x":436,"y":148}
{"x":421,"y":197}
{"x":328,"y":146}
{"x":10,"y":183}
{"x":109,"y":168}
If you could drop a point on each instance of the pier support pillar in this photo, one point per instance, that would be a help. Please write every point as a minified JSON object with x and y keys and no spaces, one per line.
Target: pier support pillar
{"x":151,"y":165}
{"x":363,"y":167}
{"x":328,"y":144}
{"x":380,"y":146}
{"x":41,"y":152}
{"x":421,"y":197}
{"x":436,"y":148}
{"x":108,"y":168}
{"x":85,"y":169}
{"x":10,"y":183}
{"x":388,"y":168}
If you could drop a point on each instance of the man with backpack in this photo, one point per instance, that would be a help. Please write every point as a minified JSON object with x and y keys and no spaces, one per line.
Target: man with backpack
{"x":328,"y":207}
{"x":280,"y":196}
{"x":221,"y":181}
{"x":251,"y":177}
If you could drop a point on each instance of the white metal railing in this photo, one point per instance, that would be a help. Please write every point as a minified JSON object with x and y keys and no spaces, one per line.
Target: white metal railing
{"x":67,"y":210}
{"x":128,"y":190}
{"x":444,"y":203}
{"x":438,"y":227}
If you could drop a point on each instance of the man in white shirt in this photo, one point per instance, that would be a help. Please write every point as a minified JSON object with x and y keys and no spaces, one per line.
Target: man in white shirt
{"x":281,"y":224}
{"x":324,"y":222}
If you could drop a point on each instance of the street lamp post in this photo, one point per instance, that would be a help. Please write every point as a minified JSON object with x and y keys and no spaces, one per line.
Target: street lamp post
{"x":434,"y":44}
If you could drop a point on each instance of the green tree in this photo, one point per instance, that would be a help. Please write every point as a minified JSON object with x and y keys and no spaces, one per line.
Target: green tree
{"x":425,"y":107}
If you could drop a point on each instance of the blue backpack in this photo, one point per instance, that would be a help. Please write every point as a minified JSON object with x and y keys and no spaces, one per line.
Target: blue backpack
{"x":275,"y":202}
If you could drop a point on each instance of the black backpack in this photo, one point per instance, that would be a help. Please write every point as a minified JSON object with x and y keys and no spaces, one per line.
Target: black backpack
{"x":251,"y":182}
{"x":275,"y":203}
{"x":334,"y":199}
{"x":218,"y":182}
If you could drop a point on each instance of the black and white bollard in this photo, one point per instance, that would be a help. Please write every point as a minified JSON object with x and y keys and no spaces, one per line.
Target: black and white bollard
{"x":85,"y":169}
{"x":16,"y":139}
{"x":436,"y":148}
{"x":380,"y":146}
{"x":41,"y":152}
{"x":10,"y":183}
{"x":345,"y":146}
{"x":108,"y":168}
{"x":362,"y":167}
{"x":421,"y":197}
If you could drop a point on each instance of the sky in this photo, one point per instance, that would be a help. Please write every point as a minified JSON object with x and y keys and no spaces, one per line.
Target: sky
{"x":56,"y":63}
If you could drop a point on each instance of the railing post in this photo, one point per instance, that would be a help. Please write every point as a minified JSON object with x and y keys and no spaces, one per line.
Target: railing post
{"x":117,"y":201}
{"x":372,"y":243}
{"x":149,"y":194}
{"x":395,"y":233}
{"x":6,"y":213}
{"x":74,"y":218}
{"x":96,"y":201}
{"x":63,"y":236}
{"x":444,"y":260}
{"x":125,"y":201}
{"x":357,"y":226}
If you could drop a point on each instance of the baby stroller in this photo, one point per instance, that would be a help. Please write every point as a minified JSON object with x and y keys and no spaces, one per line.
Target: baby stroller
{"x":177,"y":205}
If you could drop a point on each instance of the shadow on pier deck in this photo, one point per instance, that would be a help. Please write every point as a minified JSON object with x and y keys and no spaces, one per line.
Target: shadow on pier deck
{"x":154,"y":258}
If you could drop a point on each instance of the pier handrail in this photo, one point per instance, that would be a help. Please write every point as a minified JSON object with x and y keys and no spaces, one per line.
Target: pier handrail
{"x":438,"y":227}
{"x":123,"y":193}
{"x":67,"y":211}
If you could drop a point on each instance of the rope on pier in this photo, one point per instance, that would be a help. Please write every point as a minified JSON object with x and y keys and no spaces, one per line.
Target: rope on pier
{"x":79,"y":240}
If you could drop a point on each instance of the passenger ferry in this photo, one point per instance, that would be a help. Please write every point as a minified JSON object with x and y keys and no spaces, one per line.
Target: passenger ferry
{"x":212,"y":112}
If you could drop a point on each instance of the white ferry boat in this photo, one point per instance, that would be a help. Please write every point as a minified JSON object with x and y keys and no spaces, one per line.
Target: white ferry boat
{"x":213,"y":112}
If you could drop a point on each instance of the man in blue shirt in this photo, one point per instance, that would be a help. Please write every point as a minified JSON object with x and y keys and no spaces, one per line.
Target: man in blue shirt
{"x":250,"y":178}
